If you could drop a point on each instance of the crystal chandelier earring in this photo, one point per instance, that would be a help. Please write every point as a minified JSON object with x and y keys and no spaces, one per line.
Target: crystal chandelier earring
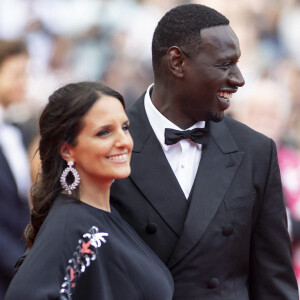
{"x":63,"y":178}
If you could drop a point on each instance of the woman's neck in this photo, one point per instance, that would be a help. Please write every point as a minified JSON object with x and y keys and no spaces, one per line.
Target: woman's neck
{"x":96,"y":195}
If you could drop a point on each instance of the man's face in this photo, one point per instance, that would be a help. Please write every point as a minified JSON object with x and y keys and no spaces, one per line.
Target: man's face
{"x":13,"y":79}
{"x":212,"y":75}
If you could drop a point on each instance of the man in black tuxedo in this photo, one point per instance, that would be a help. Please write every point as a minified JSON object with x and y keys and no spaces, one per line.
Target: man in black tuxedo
{"x":208,"y":202}
{"x":14,"y":165}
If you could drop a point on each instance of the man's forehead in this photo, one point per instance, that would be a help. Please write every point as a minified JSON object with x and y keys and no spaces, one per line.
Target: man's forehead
{"x":216,"y":33}
{"x":219,"y":36}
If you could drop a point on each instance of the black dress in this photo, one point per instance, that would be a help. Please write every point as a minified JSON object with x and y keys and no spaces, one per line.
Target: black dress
{"x":82,"y":252}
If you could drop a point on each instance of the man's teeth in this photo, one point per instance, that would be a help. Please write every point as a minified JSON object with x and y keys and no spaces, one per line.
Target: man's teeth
{"x":225,"y":95}
{"x":118,"y":157}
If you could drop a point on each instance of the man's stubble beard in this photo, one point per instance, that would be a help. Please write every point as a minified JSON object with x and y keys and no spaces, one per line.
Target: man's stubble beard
{"x":215,"y":117}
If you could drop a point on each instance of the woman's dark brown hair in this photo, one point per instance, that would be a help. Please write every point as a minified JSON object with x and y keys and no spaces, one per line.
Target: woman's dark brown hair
{"x":61,"y":120}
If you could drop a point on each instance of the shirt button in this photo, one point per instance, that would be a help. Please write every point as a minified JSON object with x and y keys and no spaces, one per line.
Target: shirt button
{"x":227,"y":230}
{"x":213,"y":283}
{"x":151,"y":228}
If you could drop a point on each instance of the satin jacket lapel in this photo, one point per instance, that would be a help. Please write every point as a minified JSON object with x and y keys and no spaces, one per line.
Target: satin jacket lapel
{"x":151,"y":172}
{"x":218,"y":164}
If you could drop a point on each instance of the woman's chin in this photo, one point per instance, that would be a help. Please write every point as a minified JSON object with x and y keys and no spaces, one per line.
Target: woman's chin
{"x":122,"y":175}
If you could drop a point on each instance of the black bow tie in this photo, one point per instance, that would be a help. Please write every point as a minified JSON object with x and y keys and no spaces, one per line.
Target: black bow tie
{"x":197,"y":135}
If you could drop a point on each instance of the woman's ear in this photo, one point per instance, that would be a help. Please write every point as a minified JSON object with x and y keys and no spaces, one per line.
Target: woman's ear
{"x":65,"y":151}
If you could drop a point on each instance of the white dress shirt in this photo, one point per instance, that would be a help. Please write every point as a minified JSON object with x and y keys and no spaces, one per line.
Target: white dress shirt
{"x":184,"y":156}
{"x":16,"y":156}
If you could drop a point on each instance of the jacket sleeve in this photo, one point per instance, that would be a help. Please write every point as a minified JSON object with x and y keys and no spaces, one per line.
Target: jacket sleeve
{"x":271,"y":270}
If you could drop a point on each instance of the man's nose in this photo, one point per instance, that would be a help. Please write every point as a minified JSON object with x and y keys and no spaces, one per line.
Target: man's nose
{"x":236,"y":78}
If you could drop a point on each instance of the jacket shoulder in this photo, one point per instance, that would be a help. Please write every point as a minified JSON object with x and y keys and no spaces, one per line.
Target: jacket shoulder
{"x":244,"y":133}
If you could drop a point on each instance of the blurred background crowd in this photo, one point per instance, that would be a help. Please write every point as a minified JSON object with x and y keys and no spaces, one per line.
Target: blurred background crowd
{"x":110,"y":41}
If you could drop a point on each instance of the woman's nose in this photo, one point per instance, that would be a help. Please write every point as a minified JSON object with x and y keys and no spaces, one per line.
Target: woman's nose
{"x":124,"y":140}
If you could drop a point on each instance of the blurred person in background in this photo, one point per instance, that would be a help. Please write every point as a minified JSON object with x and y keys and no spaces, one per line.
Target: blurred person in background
{"x":286,"y":73}
{"x":14,"y":165}
{"x":267,"y":109}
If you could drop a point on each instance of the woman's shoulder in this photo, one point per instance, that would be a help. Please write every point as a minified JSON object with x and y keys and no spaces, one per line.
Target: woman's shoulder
{"x":67,"y":221}
{"x":67,"y":210}
{"x":63,"y":210}
{"x":64,"y":203}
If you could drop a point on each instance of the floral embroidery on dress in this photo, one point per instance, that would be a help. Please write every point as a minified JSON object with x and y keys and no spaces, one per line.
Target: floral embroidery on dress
{"x":82,"y":257}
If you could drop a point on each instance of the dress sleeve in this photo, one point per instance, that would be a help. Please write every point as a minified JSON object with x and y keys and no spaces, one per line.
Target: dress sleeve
{"x":42,"y":272}
{"x":83,"y":256}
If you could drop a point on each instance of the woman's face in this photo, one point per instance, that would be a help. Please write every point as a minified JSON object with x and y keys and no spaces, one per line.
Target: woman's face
{"x":104,"y":144}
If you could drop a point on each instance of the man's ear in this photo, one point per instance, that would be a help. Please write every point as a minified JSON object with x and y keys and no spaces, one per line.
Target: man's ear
{"x":66,"y":152}
{"x":176,"y":58}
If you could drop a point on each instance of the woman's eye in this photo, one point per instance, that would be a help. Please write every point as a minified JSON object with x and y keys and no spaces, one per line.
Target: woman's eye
{"x":103,"y":132}
{"x":125,"y":127}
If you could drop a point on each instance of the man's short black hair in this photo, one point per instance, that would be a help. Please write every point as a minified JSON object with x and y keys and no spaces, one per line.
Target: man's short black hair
{"x":181,"y":27}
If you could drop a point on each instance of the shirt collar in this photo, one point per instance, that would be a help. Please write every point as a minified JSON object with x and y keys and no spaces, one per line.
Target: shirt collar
{"x":159,"y":122}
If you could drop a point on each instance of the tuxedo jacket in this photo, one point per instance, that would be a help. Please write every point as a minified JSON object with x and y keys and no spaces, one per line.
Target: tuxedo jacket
{"x":14,"y":216}
{"x":229,"y":240}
